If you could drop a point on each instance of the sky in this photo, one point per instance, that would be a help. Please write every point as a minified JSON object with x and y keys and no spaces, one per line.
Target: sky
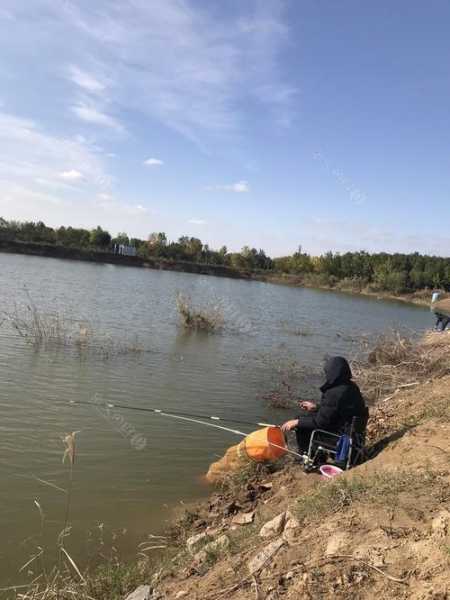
{"x":269,"y":123}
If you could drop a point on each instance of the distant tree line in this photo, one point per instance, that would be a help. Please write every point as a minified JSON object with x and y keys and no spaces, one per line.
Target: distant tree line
{"x":381,"y":271}
{"x":355,"y":270}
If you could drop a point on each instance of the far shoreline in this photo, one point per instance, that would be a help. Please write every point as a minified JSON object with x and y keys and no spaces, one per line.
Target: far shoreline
{"x":420,"y":298}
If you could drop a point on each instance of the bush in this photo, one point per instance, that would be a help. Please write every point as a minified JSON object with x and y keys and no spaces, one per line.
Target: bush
{"x":198,"y":319}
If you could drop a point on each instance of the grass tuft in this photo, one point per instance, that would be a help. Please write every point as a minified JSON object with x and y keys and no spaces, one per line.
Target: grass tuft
{"x":45,"y":331}
{"x":199,"y":319}
{"x":380,"y":488}
{"x":398,"y":362}
{"x":331,"y":496}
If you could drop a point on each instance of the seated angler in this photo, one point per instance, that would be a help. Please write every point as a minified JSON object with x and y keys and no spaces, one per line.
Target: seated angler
{"x":442,"y":322}
{"x":341,"y":401}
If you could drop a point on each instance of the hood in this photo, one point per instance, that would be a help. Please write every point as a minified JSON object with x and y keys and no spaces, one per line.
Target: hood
{"x":337,"y":371}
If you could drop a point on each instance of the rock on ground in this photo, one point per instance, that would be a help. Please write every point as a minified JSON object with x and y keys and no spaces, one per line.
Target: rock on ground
{"x":194,"y":541}
{"x":219,"y":546}
{"x":140,"y":593}
{"x":273,"y":527}
{"x":257,"y":562}
{"x":284,"y":522}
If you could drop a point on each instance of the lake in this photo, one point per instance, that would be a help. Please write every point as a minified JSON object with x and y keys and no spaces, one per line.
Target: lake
{"x":132,"y":468}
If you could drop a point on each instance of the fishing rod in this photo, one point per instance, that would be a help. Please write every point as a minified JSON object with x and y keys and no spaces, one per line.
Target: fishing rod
{"x":190,"y":417}
{"x":168,"y":413}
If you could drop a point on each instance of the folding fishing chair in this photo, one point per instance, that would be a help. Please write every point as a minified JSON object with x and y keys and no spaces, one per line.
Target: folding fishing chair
{"x":345,"y":450}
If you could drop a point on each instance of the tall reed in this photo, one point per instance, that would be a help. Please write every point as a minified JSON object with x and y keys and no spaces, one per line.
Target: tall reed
{"x":56,"y":330}
{"x":193,"y":318}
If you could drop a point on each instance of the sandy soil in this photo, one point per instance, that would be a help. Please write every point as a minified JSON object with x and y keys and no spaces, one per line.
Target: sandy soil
{"x":381,"y":530}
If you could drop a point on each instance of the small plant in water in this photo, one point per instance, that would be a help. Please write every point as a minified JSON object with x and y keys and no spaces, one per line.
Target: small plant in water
{"x":36,"y":327}
{"x":56,"y":330}
{"x":198,"y":319}
{"x":277,"y":399}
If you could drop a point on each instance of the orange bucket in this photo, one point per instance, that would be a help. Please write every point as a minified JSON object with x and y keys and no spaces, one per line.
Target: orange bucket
{"x":264,"y":445}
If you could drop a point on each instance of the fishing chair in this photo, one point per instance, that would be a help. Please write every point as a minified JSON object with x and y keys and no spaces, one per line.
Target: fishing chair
{"x":345,"y":450}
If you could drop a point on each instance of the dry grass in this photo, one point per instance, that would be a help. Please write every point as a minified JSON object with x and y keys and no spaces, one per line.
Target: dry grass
{"x":283,"y":399}
{"x":56,"y":330}
{"x":288,"y":378}
{"x":332,"y":497}
{"x":405,"y":382}
{"x":106,"y":347}
{"x":207,"y":319}
{"x":37,"y":328}
{"x":111,"y":580}
{"x":381,"y":489}
{"x":397,"y":362}
{"x":251,"y":473}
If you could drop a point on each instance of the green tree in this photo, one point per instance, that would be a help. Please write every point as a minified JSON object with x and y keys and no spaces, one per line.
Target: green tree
{"x":121,"y":239}
{"x":192,"y":247}
{"x":99,"y":238}
{"x":157,"y":244}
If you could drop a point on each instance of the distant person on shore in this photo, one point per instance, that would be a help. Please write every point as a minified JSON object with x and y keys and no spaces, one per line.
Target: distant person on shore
{"x":442,"y":321}
{"x":341,"y":401}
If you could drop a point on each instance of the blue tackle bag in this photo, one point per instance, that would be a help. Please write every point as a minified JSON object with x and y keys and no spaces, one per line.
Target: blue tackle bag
{"x":343,"y":448}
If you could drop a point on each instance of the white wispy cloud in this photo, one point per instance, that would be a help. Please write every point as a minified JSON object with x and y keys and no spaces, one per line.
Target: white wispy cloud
{"x":28,"y":152}
{"x":91,"y":114}
{"x":72,"y":175}
{"x":115,"y":75}
{"x":240,"y":187}
{"x":215,"y":67}
{"x":6,"y":15}
{"x":32,"y":186}
{"x":113,"y":207}
{"x":197,"y":221}
{"x":104,"y":197}
{"x":85,"y":80}
{"x":153,"y":162}
{"x":34,"y":173}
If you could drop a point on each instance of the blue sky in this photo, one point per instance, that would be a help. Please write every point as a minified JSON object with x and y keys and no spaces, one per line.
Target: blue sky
{"x":266,"y":123}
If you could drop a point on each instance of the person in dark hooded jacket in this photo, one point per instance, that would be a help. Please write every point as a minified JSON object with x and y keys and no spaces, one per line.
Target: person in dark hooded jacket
{"x":341,"y":401}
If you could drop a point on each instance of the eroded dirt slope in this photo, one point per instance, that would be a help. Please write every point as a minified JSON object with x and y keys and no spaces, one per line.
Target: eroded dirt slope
{"x":381,"y":530}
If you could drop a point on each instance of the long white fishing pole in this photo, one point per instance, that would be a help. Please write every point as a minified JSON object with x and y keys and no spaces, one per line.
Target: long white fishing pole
{"x":190,"y":419}
{"x":169,"y":413}
{"x":235,"y":431}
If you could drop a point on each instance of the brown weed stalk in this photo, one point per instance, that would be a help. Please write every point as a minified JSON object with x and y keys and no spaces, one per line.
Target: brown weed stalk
{"x":396,"y":362}
{"x":198,"y":319}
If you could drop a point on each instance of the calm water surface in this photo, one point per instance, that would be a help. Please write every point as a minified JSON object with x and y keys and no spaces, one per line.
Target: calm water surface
{"x":132,"y":468}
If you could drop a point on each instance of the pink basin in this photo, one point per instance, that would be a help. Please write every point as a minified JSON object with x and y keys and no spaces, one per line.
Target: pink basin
{"x":330,"y":471}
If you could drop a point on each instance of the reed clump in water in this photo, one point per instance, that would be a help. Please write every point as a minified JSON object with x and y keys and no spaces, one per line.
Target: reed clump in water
{"x":37,"y":328}
{"x":276,"y":399}
{"x":108,"y":347}
{"x":56,"y":330}
{"x":291,"y":380}
{"x":207,"y":319}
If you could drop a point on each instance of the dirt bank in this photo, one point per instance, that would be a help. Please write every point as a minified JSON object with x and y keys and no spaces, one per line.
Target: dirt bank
{"x":381,"y":530}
